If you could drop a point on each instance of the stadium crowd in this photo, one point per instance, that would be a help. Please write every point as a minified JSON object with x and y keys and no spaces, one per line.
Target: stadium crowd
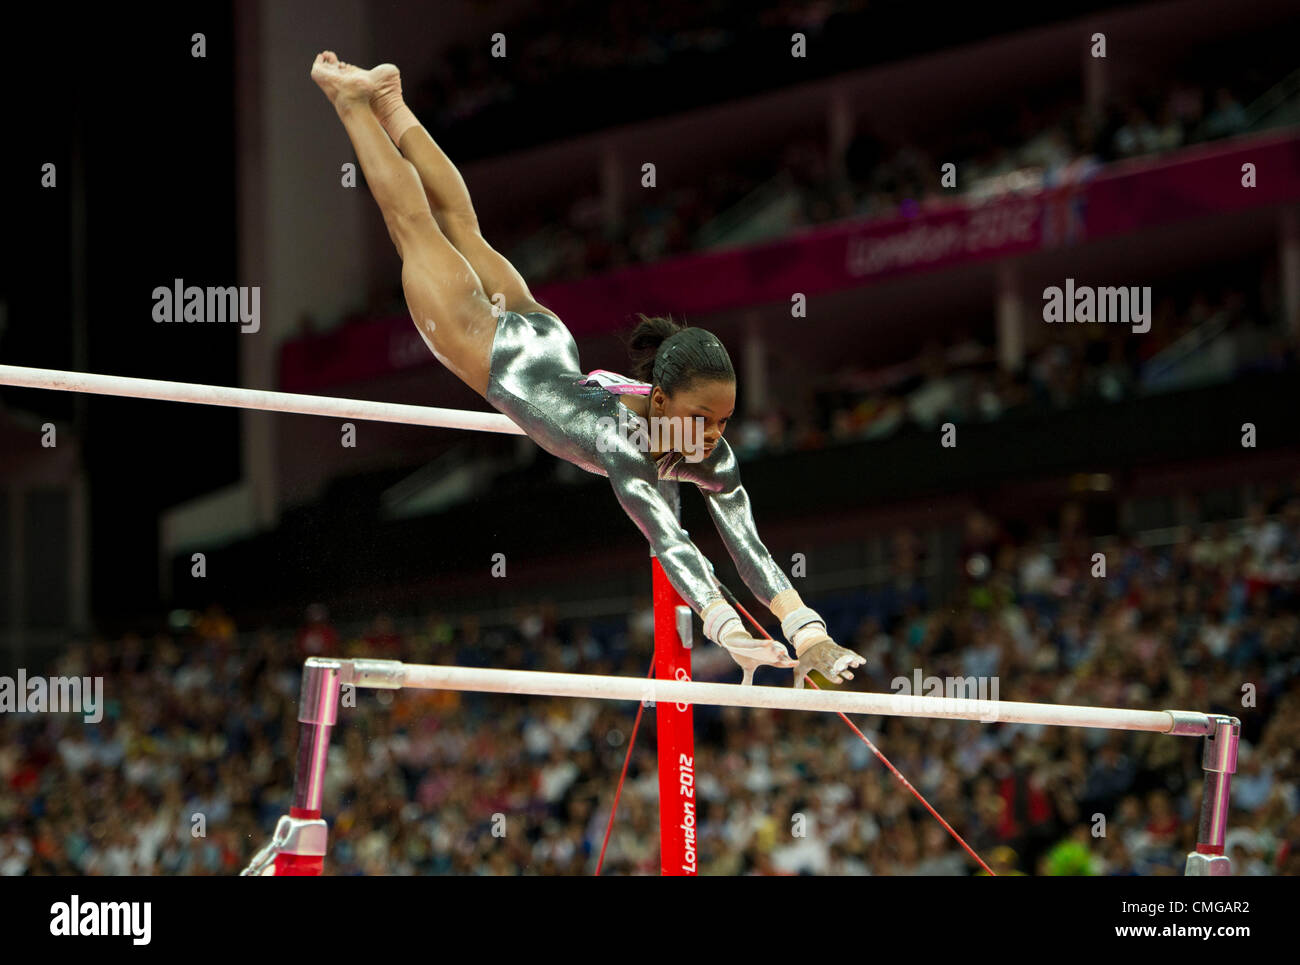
{"x":880,"y":177}
{"x":191,"y":765}
{"x":1200,"y":335}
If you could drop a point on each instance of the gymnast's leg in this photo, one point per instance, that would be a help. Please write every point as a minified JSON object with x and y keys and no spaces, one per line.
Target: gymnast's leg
{"x":443,"y":292}
{"x":449,"y":198}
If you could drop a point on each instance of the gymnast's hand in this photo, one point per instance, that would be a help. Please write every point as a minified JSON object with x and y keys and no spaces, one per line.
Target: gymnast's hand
{"x":829,"y":659}
{"x":805,"y":628}
{"x":750,"y":652}
{"x":722,"y":625}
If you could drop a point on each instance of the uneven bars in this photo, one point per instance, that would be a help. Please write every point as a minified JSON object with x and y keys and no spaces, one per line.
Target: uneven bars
{"x":129,"y":387}
{"x":394,"y":675}
{"x":299,"y":845}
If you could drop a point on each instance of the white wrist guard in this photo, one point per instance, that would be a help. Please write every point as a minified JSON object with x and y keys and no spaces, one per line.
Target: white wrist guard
{"x":717,"y":619}
{"x":797,"y":619}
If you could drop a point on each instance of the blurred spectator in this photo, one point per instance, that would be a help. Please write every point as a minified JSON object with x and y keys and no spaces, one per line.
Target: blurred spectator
{"x":317,"y":637}
{"x":1227,"y":118}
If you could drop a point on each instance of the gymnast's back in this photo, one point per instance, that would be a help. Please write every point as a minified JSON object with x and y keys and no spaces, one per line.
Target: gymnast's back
{"x":536,"y":380}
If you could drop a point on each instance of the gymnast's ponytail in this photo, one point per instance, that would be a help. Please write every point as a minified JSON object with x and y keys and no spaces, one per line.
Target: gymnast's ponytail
{"x":675,"y":357}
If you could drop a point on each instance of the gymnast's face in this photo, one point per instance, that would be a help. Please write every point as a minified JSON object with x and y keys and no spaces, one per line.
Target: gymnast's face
{"x":712,"y":402}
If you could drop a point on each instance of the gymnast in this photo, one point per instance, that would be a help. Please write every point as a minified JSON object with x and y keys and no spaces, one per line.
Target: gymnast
{"x":522,"y":359}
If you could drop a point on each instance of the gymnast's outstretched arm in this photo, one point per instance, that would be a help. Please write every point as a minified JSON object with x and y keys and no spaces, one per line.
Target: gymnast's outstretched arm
{"x":805,"y":629}
{"x":634,"y":481}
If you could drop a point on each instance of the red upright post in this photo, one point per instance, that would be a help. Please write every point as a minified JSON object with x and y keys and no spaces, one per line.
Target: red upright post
{"x":678,"y":812}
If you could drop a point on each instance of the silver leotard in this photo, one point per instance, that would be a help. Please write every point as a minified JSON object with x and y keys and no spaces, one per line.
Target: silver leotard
{"x":535,"y":380}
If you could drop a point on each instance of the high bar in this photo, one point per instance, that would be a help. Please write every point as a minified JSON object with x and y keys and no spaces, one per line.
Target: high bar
{"x":393,"y":675}
{"x":129,"y":387}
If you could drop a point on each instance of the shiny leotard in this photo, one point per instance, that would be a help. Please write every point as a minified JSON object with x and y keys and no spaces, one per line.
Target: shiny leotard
{"x":536,"y":381}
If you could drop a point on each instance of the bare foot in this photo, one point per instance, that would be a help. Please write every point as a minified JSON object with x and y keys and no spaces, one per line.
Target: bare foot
{"x":386,"y":97}
{"x":326,"y":73}
{"x":340,"y":81}
{"x":343,"y":81}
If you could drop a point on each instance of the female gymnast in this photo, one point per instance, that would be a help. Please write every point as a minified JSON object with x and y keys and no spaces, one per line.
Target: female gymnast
{"x":479,"y":319}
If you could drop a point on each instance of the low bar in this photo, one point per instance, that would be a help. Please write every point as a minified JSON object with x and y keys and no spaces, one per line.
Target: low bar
{"x":433,"y":677}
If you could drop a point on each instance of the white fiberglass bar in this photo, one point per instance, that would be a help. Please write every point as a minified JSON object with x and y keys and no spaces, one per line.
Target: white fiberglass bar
{"x":121,"y":385}
{"x":392,"y":674}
